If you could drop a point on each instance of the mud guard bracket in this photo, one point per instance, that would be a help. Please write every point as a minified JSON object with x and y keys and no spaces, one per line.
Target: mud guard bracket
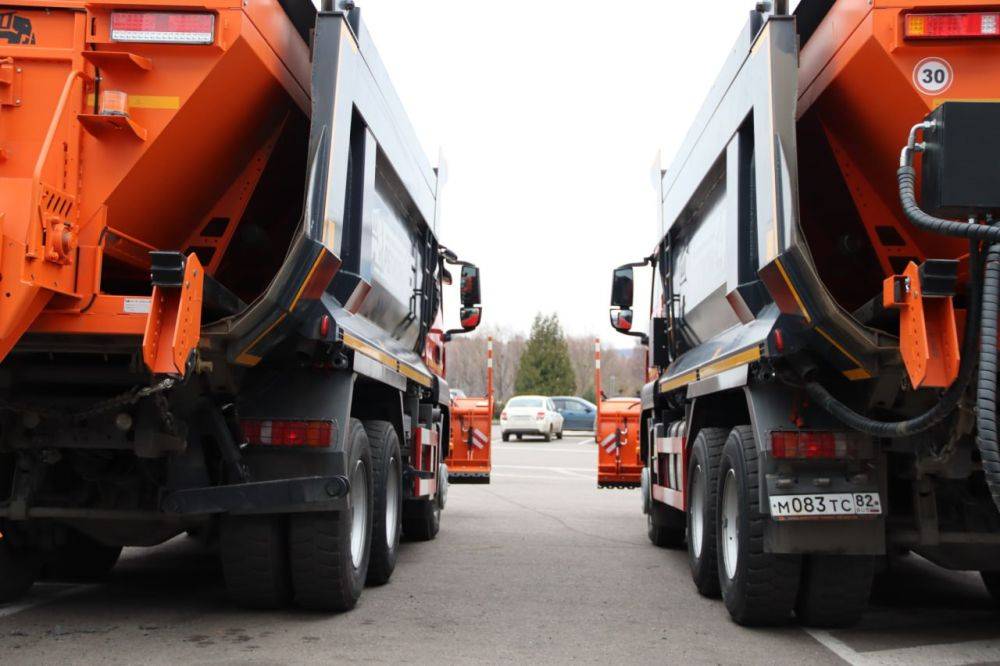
{"x":174,"y":323}
{"x":928,"y":335}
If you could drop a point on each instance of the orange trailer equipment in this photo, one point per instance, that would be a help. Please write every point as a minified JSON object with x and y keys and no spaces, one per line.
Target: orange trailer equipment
{"x":823,"y":320}
{"x":470,"y":459}
{"x":616,"y":431}
{"x":204,"y":323}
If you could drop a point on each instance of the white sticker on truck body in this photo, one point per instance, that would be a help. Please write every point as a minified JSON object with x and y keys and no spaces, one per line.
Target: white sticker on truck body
{"x":933,"y":76}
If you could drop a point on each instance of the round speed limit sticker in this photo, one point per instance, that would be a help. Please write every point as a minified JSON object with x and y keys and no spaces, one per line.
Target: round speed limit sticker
{"x":933,"y":76}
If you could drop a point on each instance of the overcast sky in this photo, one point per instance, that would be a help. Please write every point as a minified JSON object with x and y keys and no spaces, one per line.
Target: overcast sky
{"x":550,"y":115}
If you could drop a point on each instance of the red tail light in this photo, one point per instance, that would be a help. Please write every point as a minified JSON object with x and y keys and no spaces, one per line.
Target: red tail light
{"x":801,"y":444}
{"x":540,"y":415}
{"x":952,"y":25}
{"x":288,"y":433}
{"x":163,"y":27}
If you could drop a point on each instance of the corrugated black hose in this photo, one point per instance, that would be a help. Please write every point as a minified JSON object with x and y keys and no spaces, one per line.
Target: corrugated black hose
{"x":907,"y":197}
{"x":949,"y":399}
{"x":986,"y":394}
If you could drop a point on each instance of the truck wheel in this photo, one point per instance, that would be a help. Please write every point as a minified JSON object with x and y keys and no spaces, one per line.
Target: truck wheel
{"x":758,"y":588}
{"x":991,"y":579}
{"x":18,"y":570}
{"x":254,"y":554}
{"x":520,"y":437}
{"x":329,"y":550}
{"x":387,"y":519}
{"x":665,"y":525}
{"x":703,"y":493}
{"x":505,"y":436}
{"x":834,"y":590}
{"x":548,"y":436}
{"x":81,"y":558}
{"x":421,"y":519}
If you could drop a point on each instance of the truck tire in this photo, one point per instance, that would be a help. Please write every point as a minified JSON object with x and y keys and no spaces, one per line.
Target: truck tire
{"x":991,"y":579}
{"x":18,"y":571}
{"x":834,"y":590}
{"x":665,"y":526}
{"x":505,"y":436}
{"x":703,"y":493}
{"x":548,"y":436}
{"x":758,"y":588}
{"x":421,"y":519}
{"x":329,"y":550}
{"x":387,"y":471}
{"x":81,"y":559}
{"x":254,"y":554}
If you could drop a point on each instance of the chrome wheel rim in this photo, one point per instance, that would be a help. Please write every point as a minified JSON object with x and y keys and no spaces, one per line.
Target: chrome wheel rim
{"x":392,"y":502}
{"x":730,"y":524}
{"x":697,"y":510}
{"x":359,"y":512}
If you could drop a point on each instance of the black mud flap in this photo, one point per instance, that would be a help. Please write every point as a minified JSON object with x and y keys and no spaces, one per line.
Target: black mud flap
{"x":311,"y":493}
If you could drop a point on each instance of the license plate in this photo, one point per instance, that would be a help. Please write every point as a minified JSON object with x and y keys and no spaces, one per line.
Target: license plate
{"x":833,"y":505}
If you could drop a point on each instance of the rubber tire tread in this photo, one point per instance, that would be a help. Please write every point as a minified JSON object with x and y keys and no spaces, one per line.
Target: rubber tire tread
{"x":18,"y":571}
{"x":665,"y":526}
{"x":766,"y":585}
{"x":991,"y":580}
{"x":323,"y":574}
{"x":81,"y":559}
{"x":254,"y":555}
{"x":707,"y":449}
{"x":421,"y":519}
{"x":835,"y":589}
{"x":384,"y":442}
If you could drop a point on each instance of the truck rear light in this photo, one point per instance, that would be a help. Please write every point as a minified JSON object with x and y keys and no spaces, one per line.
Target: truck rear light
{"x":163,"y":27}
{"x":503,"y":416}
{"x":540,"y":415}
{"x":288,"y":433}
{"x":952,"y":25}
{"x":813,"y":444}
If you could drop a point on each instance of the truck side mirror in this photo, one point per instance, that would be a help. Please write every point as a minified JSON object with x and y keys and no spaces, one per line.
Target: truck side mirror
{"x":621,"y":320}
{"x":470,"y":286}
{"x":470,"y":318}
{"x":621,"y":288}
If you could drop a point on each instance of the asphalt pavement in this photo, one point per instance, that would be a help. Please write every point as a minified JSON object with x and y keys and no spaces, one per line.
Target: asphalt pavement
{"x":539,"y":566}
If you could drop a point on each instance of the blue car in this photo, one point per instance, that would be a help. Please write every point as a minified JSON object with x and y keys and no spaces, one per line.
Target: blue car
{"x":577,"y":413}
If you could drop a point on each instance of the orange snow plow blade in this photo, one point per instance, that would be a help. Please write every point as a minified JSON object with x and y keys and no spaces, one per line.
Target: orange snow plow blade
{"x":616,"y":431}
{"x":470,"y":456}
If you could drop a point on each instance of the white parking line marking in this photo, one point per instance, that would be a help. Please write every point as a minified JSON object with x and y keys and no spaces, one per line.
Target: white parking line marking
{"x":43,"y":593}
{"x":944,"y":654}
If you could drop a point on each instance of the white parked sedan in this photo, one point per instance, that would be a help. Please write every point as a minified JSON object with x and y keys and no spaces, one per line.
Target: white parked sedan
{"x":530,"y":415}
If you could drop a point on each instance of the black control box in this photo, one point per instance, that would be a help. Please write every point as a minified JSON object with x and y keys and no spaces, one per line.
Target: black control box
{"x":961,"y":164}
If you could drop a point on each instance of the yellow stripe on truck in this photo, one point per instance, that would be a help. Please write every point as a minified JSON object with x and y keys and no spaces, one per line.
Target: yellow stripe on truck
{"x":147,"y":101}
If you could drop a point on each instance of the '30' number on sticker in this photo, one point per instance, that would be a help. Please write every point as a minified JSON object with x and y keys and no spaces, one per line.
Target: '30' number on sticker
{"x":933,"y":76}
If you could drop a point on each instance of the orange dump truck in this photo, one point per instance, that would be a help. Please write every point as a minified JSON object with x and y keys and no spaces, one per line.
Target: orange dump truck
{"x":826,"y":288}
{"x":616,"y":431}
{"x":471,"y":455}
{"x":220,"y":281}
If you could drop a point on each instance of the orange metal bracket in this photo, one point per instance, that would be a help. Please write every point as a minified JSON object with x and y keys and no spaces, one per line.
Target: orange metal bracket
{"x":928,"y":336}
{"x":174,"y":324}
